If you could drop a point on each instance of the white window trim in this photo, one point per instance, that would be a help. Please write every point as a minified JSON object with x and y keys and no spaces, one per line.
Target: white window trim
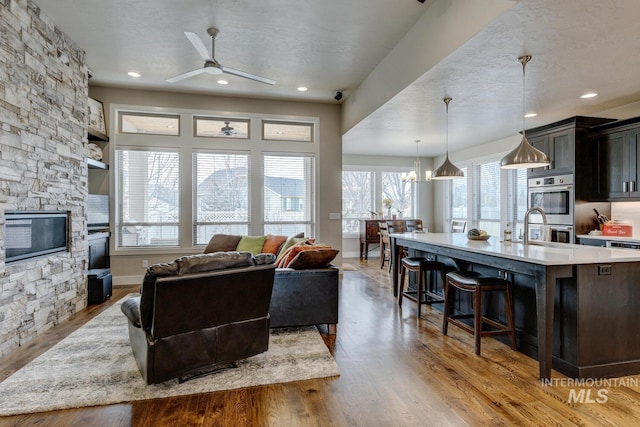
{"x":187,"y":142}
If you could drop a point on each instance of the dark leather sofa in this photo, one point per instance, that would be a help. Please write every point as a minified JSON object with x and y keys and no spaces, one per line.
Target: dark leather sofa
{"x":183,"y":324}
{"x":305,"y":297}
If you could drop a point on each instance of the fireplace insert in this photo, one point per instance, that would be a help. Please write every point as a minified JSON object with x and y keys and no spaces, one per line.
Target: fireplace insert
{"x":29,"y":234}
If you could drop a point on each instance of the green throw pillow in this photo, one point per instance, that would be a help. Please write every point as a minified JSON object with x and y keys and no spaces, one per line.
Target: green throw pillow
{"x":252,"y":244}
{"x":290,"y":242}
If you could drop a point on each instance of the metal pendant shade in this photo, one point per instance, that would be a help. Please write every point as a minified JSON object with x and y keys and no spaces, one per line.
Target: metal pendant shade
{"x":524,"y":155}
{"x":447,"y":170}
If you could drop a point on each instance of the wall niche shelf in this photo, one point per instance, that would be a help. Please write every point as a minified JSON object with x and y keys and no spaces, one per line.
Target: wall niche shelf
{"x":95,"y":135}
{"x":96,"y":164}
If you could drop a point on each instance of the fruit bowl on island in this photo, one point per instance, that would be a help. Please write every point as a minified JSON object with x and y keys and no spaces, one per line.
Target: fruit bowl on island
{"x":475,"y":234}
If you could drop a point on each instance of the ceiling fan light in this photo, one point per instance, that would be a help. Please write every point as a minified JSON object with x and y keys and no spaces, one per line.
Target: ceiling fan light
{"x":524,"y":156}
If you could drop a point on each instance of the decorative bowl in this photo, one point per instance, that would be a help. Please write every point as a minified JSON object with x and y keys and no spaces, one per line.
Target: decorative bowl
{"x":478,"y":237}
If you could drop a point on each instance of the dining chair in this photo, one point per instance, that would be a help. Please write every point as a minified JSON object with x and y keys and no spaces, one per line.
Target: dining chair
{"x":385,"y":244}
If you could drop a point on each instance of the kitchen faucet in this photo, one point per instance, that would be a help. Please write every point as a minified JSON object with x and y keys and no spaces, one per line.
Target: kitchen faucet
{"x":526,"y":222}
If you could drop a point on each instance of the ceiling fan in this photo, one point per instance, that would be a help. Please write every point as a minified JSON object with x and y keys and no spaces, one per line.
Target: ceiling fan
{"x":212,"y":66}
{"x":227,"y":130}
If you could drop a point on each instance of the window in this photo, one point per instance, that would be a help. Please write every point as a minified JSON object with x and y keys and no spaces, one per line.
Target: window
{"x":517,"y":197}
{"x":221,"y":195}
{"x":458,"y":199}
{"x":152,"y":124}
{"x":364,"y":190}
{"x":221,"y":127}
{"x":399,"y":191}
{"x":497,"y":197}
{"x":289,"y":195}
{"x":487,"y":197}
{"x":148,"y":198}
{"x":287,"y":131}
{"x":357,"y":201}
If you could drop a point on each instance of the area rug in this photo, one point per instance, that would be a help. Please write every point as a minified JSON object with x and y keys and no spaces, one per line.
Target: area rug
{"x":95,"y":366}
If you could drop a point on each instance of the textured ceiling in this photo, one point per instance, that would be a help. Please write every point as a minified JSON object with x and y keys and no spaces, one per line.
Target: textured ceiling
{"x":577,"y":46}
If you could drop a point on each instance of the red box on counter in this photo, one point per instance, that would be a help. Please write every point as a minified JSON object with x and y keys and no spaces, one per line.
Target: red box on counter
{"x":620,"y":230}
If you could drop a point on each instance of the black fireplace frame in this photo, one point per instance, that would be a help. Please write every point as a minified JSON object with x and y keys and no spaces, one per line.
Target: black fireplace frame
{"x":46,"y":248}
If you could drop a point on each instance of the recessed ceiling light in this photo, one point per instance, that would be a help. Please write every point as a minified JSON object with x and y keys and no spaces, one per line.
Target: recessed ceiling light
{"x":589,"y":95}
{"x":133,"y":74}
{"x":302,"y":88}
{"x":531,"y":114}
{"x":223,"y":82}
{"x":170,"y":126}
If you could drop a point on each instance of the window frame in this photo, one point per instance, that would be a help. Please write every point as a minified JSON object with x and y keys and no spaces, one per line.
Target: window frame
{"x":508,"y":201}
{"x":186,"y":143}
{"x":376,"y":192}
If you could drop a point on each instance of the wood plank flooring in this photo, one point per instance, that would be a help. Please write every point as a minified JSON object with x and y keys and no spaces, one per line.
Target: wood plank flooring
{"x":396,"y":370}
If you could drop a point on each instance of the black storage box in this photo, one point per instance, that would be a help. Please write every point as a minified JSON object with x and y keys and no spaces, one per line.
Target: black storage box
{"x":99,"y":285}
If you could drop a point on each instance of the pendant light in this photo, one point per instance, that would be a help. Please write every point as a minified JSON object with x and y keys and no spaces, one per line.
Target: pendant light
{"x":447,"y":170}
{"x":416,"y":174}
{"x":524,"y":155}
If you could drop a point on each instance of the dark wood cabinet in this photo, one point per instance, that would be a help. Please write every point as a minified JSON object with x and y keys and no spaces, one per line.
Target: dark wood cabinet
{"x":98,"y":250}
{"x":369,"y":231}
{"x":566,"y":144}
{"x":618,"y":157}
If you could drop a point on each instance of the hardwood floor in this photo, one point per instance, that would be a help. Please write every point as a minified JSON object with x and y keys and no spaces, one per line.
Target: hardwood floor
{"x":396,"y":370}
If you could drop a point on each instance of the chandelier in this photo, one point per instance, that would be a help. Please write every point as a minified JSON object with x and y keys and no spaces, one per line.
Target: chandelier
{"x":415,"y":175}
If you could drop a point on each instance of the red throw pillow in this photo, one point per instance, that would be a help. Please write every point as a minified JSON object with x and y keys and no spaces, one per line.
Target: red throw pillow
{"x":294,"y":250}
{"x":272,"y":244}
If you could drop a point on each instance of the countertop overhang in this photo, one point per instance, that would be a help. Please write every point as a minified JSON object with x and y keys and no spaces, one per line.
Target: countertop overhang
{"x":536,"y":253}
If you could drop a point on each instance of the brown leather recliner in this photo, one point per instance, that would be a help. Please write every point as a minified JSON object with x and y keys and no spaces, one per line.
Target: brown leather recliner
{"x":186,"y":324}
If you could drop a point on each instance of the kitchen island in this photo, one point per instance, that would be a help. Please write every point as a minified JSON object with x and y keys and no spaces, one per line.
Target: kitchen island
{"x":577,"y":307}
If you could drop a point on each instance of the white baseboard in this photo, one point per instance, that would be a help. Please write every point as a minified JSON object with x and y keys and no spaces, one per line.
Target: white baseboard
{"x":356,"y":254}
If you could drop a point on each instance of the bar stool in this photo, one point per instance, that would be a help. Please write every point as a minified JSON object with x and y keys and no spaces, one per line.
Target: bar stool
{"x":478,"y":284}
{"x":420,"y":265}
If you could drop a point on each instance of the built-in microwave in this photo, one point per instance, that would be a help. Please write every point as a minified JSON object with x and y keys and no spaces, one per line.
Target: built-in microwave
{"x":551,"y":233}
{"x":555,"y":196}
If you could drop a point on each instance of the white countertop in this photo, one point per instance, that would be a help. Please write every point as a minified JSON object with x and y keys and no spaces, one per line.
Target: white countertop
{"x":547,"y":254}
{"x":634,"y":239}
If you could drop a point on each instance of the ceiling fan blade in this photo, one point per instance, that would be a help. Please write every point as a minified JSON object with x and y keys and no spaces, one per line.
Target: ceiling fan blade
{"x":198,"y":45}
{"x":185,"y":75}
{"x":248,"y":75}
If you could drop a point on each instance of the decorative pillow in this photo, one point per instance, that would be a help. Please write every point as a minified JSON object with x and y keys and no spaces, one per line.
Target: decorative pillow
{"x":291,"y":253}
{"x":313,"y":258}
{"x":222,"y":243}
{"x":264,"y":259}
{"x":290,"y":242}
{"x":273,"y":243}
{"x":213,"y":261}
{"x":251,"y":244}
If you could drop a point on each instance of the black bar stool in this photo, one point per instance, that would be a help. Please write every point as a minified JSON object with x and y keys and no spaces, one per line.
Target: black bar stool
{"x":422,"y":295}
{"x":478,"y":284}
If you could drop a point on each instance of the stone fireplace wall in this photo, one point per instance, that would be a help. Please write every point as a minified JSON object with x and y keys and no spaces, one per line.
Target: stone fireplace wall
{"x":43,"y":100}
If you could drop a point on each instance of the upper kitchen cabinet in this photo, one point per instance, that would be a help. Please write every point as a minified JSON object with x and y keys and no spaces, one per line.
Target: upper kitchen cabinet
{"x":563,"y":142}
{"x":618,"y":154}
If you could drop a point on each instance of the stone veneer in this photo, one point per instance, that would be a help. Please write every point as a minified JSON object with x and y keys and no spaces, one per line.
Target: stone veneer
{"x":43,"y":100}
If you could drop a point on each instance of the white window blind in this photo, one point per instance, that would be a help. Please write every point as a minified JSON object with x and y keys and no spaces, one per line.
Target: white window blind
{"x":289,"y":194}
{"x":458,"y":198}
{"x":221,"y":204}
{"x":517,"y":196}
{"x":148,"y":198}
{"x":357,"y":200}
{"x":487,"y":197}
